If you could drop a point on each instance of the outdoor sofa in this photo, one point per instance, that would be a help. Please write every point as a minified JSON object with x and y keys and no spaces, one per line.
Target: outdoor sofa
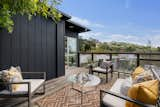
{"x":30,"y":85}
{"x":114,"y":98}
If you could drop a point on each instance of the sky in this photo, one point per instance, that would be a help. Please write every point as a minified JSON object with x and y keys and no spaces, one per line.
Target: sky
{"x":133,"y":21}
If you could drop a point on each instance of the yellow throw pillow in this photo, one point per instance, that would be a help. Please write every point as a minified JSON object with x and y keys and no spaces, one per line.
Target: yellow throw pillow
{"x":146,"y":92}
{"x":16,"y":77}
{"x":137,"y":71}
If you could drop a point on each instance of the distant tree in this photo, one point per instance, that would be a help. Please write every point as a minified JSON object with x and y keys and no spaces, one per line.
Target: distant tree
{"x":158,"y":49}
{"x":130,"y":48}
{"x":96,"y":46}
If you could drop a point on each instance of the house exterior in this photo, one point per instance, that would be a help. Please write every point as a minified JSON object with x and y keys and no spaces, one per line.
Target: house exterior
{"x":38,"y":45}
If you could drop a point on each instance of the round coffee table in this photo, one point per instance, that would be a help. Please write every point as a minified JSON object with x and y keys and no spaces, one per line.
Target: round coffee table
{"x":93,"y":81}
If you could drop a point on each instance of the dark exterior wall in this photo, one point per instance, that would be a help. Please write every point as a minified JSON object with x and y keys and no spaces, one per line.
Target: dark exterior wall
{"x":60,"y":48}
{"x":33,"y":45}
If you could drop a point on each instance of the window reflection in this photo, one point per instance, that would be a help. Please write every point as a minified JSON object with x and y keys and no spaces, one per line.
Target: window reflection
{"x":70,"y":51}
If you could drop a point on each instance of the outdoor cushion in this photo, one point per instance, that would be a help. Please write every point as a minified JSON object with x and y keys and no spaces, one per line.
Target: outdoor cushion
{"x":9,"y":93}
{"x":35,"y":83}
{"x":12,"y":75}
{"x":137,"y":71}
{"x":146,"y":92}
{"x":105,"y":64}
{"x":23,"y":89}
{"x":113,"y":101}
{"x":126,"y":84}
{"x":101,"y":69}
{"x":142,"y":77}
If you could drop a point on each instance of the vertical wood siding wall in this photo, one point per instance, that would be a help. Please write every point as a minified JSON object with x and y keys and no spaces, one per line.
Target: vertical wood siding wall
{"x":33,"y":45}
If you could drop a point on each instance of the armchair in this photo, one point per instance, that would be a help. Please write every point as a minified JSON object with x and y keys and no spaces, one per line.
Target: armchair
{"x":28,"y":87}
{"x":96,"y":68}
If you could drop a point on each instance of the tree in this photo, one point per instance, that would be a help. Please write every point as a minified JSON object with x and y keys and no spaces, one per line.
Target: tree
{"x":9,"y":8}
{"x":158,"y":48}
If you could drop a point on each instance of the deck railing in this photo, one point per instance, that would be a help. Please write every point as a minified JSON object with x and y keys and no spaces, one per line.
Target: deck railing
{"x":137,"y":58}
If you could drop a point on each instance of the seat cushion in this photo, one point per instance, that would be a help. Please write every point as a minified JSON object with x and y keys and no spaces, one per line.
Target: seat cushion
{"x":113,"y":101}
{"x":127,"y":83}
{"x":146,"y":92}
{"x":101,"y":69}
{"x":35,"y":83}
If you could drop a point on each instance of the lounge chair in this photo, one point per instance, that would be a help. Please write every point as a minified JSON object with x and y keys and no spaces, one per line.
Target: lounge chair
{"x":28,"y":87}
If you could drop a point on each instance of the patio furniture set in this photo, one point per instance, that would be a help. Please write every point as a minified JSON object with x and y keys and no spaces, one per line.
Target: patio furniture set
{"x":140,"y":89}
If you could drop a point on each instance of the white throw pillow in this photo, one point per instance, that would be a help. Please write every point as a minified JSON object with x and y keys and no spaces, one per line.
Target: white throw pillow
{"x":127,"y":83}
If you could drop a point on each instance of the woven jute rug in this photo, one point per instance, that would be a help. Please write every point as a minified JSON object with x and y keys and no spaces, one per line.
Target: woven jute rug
{"x":66,"y":97}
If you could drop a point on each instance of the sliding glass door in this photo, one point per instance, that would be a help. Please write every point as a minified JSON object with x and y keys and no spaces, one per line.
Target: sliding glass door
{"x":70,"y":51}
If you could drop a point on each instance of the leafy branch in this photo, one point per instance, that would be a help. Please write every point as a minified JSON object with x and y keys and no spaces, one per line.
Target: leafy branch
{"x":9,"y":8}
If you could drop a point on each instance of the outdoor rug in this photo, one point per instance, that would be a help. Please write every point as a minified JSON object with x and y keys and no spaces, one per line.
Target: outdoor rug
{"x":67,"y":97}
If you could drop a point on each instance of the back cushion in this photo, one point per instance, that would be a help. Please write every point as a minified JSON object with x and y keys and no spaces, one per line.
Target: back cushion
{"x":106,"y":64}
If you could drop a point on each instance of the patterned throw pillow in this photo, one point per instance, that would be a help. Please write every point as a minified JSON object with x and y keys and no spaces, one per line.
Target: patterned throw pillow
{"x":106,"y":64}
{"x":142,"y":77}
{"x":12,"y":75}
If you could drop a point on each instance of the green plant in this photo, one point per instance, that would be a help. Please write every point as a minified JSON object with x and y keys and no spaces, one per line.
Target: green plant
{"x":9,"y":8}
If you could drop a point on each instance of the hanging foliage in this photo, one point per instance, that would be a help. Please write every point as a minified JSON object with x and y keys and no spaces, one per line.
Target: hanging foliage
{"x":9,"y":8}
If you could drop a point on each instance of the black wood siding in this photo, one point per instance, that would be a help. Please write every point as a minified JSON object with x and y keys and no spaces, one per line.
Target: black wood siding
{"x":60,"y":48}
{"x":33,"y":45}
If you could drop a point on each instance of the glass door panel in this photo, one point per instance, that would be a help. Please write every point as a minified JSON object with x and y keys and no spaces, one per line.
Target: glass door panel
{"x":70,"y":51}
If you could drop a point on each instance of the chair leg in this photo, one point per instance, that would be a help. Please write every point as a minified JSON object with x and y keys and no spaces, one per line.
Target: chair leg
{"x":112,"y":71}
{"x":111,"y":74}
{"x":118,"y":74}
{"x":29,"y":101}
{"x":107,"y":77}
{"x":44,"y":88}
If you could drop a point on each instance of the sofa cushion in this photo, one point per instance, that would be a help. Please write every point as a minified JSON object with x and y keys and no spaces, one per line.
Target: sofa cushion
{"x":35,"y":83}
{"x":113,"y":101}
{"x":146,"y":92}
{"x":101,"y":69}
{"x":23,"y":89}
{"x":127,"y":83}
